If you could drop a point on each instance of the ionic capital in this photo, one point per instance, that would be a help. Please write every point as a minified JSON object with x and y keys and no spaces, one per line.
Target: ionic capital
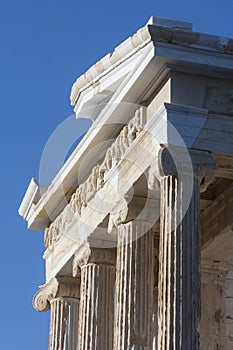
{"x":99,"y":256}
{"x":204,"y":167}
{"x":179,"y":161}
{"x":66,"y":287}
{"x":139,"y":209}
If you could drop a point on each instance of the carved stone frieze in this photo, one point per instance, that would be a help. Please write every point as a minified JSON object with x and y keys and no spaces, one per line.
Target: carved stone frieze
{"x":57,"y":287}
{"x":86,"y":191}
{"x":51,"y":235}
{"x":54,"y":232}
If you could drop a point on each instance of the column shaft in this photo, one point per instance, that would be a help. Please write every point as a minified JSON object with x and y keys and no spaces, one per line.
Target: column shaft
{"x":134,"y":287}
{"x":179,"y":270}
{"x":96,"y":307}
{"x":64,"y":316}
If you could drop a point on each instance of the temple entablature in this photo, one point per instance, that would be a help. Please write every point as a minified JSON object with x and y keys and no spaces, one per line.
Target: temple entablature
{"x":138,"y":221}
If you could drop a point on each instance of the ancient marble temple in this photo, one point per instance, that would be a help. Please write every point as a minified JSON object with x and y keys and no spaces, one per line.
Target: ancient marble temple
{"x":138,"y":223}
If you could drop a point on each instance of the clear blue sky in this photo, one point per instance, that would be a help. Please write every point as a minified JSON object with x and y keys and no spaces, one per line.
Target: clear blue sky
{"x":44,"y":47}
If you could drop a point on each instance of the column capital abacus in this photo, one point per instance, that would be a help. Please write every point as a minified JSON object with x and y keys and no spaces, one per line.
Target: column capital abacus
{"x":62,"y":286}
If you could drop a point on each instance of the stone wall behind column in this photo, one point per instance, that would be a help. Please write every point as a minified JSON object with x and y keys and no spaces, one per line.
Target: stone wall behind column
{"x":229,"y":310}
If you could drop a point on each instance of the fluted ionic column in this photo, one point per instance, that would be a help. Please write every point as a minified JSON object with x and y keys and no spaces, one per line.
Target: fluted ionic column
{"x":96,"y":299}
{"x":179,"y":288}
{"x":155,"y":312}
{"x":64,"y":316}
{"x":134,"y":287}
{"x":61,"y":296}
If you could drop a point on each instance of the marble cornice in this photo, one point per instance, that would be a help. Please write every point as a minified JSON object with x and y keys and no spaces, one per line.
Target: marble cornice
{"x":157,"y":30}
{"x":110,"y":61}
